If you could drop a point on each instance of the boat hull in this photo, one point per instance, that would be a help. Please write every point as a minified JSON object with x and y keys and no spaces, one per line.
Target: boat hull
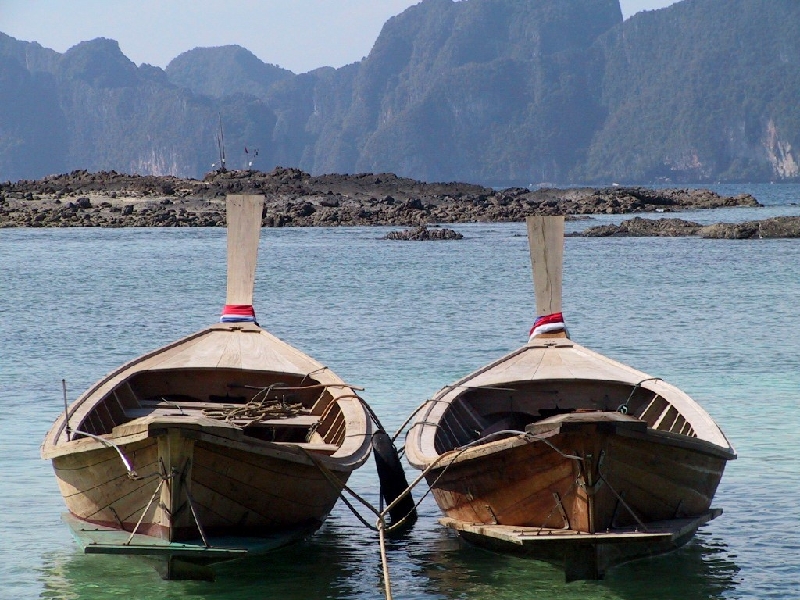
{"x":515,"y":485}
{"x":590,"y":478}
{"x":184,"y":487}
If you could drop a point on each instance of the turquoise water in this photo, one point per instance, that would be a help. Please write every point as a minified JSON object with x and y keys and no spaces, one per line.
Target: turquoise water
{"x":718,"y":318}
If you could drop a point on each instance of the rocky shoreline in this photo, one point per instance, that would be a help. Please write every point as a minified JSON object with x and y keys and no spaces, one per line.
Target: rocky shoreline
{"x":777,"y":227}
{"x":297,"y":199}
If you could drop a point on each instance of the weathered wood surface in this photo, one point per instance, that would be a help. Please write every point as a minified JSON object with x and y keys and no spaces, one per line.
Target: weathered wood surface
{"x":546,"y":242}
{"x":244,"y":225}
{"x":583,"y":556}
{"x":671,"y":529}
{"x":234,"y":492}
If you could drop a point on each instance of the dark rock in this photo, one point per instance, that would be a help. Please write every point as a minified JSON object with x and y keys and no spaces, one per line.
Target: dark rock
{"x":639,"y":227}
{"x":414,"y":204}
{"x":306,"y":209}
{"x":422,"y":233}
{"x":777,"y":227}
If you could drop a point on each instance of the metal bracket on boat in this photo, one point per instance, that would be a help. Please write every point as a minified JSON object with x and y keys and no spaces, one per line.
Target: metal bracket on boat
{"x":557,"y":505}
{"x":583,"y":478}
{"x":190,"y":502}
{"x":620,"y":499}
{"x":491,"y":512}
{"x":131,"y":473}
{"x":172,"y":403}
{"x":616,"y":510}
{"x":116,"y":516}
{"x":561,"y":510}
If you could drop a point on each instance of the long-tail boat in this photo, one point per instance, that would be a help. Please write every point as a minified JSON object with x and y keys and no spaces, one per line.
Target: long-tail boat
{"x":223,"y":443}
{"x":558,"y":452}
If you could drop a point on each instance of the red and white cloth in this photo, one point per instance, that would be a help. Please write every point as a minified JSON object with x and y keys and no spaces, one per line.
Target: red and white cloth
{"x":548,"y":324}
{"x":238,"y":313}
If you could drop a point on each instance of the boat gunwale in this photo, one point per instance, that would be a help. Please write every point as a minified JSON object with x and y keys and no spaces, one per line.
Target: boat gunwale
{"x":353,"y":451}
{"x":513,"y":440}
{"x":420,"y":440}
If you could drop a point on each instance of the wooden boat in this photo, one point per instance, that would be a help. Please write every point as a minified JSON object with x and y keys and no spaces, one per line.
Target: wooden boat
{"x":226,"y":442}
{"x":559,"y":452}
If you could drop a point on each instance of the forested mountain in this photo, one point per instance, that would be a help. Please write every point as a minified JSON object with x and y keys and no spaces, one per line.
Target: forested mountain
{"x":224,"y":71}
{"x":489,"y":91}
{"x":702,"y":90}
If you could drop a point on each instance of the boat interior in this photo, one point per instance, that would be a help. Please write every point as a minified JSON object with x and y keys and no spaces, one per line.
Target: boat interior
{"x":481,"y":411}
{"x":273,"y":407}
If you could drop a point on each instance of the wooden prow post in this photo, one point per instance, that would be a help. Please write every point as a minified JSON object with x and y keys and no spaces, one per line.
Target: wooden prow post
{"x":244,"y":226}
{"x":546,"y":241}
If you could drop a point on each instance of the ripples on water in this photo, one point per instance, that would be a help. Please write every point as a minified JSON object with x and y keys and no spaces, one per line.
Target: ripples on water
{"x":717,"y":318}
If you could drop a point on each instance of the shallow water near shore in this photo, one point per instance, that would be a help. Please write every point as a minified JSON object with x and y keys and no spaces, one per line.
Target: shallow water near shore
{"x":718,"y":318}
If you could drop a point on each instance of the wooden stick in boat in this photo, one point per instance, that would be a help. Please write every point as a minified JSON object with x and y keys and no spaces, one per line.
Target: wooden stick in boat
{"x":297,"y":388}
{"x":546,"y":241}
{"x":66,"y":409}
{"x":244,"y":226}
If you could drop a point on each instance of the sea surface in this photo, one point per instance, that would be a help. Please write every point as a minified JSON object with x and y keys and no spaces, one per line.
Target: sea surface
{"x":718,"y":318}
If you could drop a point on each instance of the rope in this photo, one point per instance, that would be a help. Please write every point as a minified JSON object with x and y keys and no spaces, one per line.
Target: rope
{"x":146,"y":508}
{"x":380,"y":525}
{"x":190,"y":501}
{"x":310,"y":373}
{"x":196,"y":518}
{"x":623,"y":408}
{"x":621,"y":500}
{"x":164,"y":477}
{"x":408,"y":420}
{"x":387,"y":582}
{"x":358,"y":516}
{"x":369,"y":410}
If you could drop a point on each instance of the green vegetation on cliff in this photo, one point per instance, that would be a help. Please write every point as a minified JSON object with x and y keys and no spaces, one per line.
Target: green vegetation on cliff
{"x":491,"y":91}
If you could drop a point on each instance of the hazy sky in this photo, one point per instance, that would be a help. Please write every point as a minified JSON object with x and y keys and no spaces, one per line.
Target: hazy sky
{"x":299,"y":35}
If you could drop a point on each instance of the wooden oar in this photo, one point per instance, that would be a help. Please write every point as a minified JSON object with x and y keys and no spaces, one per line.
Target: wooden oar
{"x":244,"y":226}
{"x":546,"y":241}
